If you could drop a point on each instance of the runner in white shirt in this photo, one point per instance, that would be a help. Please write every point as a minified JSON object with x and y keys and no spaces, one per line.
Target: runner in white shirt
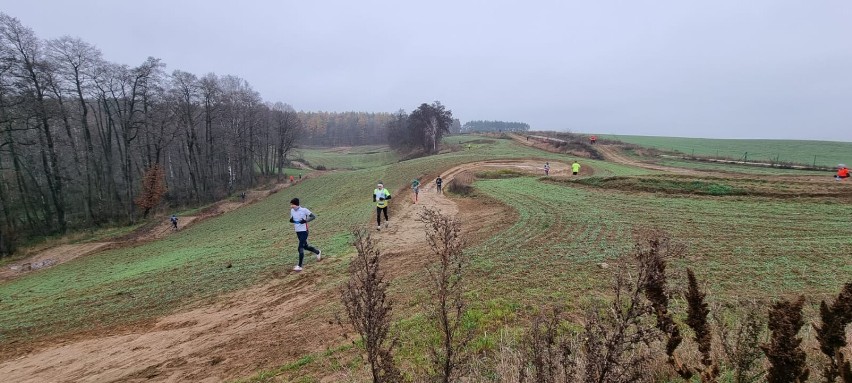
{"x":299,"y":217}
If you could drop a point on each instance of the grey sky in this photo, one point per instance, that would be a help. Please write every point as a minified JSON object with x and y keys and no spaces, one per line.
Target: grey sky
{"x":728,"y":69}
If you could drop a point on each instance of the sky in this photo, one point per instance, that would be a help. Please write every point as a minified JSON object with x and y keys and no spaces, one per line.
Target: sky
{"x":720,"y":69}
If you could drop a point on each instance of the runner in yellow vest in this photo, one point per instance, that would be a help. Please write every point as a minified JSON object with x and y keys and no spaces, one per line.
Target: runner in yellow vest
{"x":575,"y":168}
{"x":381,"y":197}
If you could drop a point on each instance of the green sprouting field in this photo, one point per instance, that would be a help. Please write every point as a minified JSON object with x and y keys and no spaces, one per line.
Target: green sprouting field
{"x":187,"y":269}
{"x":359,"y":157}
{"x":819,"y":153}
{"x":740,"y":246}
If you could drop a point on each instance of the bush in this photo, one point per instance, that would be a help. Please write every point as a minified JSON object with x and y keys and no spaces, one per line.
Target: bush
{"x":499,"y":174}
{"x":321,"y":167}
{"x":461,"y":184}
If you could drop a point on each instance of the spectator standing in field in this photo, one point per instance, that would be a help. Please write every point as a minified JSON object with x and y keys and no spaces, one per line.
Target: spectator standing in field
{"x":174,"y":220}
{"x":547,"y":168}
{"x":299,"y":217}
{"x":575,"y":168}
{"x":415,"y":187}
{"x":438,"y":184}
{"x":381,"y":197}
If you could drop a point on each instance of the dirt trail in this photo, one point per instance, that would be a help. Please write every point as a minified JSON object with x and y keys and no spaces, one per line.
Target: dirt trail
{"x":64,"y":253}
{"x":50,"y":257}
{"x":613,"y":155}
{"x":245,"y":331}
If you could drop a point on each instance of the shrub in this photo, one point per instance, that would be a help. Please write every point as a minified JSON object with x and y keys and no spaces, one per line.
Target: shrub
{"x":740,"y":340}
{"x":786,"y":357}
{"x":461,"y":184}
{"x":832,"y":335}
{"x":369,"y":310}
{"x":446,"y":306}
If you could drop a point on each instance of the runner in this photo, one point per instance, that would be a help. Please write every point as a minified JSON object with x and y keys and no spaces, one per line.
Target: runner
{"x":575,"y":168}
{"x":174,"y":220}
{"x":381,"y":197}
{"x":299,"y":217}
{"x":415,"y":187}
{"x":438,"y":183}
{"x":291,"y":179}
{"x":593,"y":139}
{"x":547,"y":168}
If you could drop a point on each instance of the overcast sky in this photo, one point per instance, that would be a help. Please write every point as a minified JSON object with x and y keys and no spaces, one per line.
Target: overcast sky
{"x":726,"y":69}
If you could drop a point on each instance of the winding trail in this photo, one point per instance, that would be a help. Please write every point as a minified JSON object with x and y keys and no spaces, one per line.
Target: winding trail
{"x":249,"y":330}
{"x":63,"y":253}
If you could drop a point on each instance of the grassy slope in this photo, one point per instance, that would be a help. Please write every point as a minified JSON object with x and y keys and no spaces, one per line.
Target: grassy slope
{"x":361,"y":157}
{"x":828,"y":153}
{"x":187,"y":269}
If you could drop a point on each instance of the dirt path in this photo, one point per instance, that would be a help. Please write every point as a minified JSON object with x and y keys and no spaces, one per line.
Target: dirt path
{"x":158,"y":230}
{"x":614,"y":155}
{"x":50,"y":257}
{"x":249,"y":330}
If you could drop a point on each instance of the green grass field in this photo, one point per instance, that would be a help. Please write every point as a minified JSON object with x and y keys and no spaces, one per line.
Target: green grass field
{"x":359,"y":157}
{"x":821,"y":153}
{"x":187,"y":269}
{"x":780,"y":246}
{"x":740,"y":246}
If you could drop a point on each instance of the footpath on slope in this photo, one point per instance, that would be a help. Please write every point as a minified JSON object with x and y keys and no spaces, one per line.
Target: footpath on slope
{"x":253,"y":329}
{"x":66,"y":252}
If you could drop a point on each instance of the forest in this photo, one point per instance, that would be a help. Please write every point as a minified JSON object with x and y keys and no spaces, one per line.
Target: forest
{"x":77,"y":134}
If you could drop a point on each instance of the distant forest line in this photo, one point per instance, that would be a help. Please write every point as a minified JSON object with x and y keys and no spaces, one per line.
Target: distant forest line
{"x":79,"y":135}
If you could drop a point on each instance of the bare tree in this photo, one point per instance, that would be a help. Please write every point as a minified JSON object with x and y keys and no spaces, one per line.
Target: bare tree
{"x":32,"y":74}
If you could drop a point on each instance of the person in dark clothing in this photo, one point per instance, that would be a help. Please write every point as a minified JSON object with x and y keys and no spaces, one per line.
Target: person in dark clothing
{"x":438,"y":184}
{"x":299,"y":217}
{"x":174,"y":220}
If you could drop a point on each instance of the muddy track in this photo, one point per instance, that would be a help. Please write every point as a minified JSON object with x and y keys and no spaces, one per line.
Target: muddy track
{"x":258,"y":328}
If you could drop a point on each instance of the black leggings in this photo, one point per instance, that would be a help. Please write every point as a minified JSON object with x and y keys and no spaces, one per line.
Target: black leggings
{"x":303,"y":245}
{"x":379,"y":211}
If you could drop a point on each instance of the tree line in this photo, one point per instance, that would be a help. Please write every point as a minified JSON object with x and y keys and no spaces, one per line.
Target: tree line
{"x":345,"y":128}
{"x":422,"y":129}
{"x":77,"y":134}
{"x":494,"y":126}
